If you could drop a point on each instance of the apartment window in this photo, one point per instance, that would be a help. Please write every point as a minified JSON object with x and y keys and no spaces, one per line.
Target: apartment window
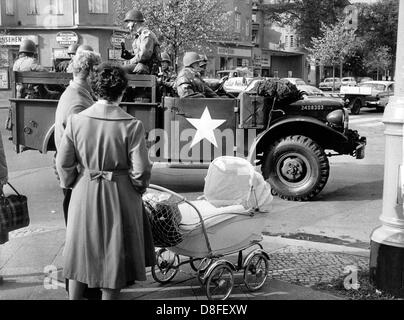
{"x":32,"y":7}
{"x":10,"y":7}
{"x":237,"y":19}
{"x":247,"y":27}
{"x":56,"y":7}
{"x":98,"y":6}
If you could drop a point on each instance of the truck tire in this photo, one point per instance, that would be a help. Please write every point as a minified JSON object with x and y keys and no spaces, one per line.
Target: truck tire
{"x":296,"y":167}
{"x":356,"y":106}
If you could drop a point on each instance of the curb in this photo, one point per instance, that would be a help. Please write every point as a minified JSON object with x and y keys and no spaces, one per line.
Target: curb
{"x":332,"y":248}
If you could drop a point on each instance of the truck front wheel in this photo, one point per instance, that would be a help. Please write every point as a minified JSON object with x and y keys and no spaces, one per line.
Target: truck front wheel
{"x":296,"y":167}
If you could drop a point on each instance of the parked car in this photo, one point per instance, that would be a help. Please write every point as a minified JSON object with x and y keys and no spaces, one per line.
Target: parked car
{"x":296,"y":81}
{"x":236,"y":85}
{"x":348,"y":81}
{"x":365,"y":79}
{"x":330,"y":83}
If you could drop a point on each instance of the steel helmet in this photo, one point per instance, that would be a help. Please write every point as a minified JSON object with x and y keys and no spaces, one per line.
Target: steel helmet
{"x":204,"y":60}
{"x":84,"y":47}
{"x":27,"y":46}
{"x":190,"y":58}
{"x":165,"y":57}
{"x":134,"y":15}
{"x":72,"y":48}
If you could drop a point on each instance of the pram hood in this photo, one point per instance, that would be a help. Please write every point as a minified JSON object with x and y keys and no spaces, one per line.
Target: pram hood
{"x":233,"y":181}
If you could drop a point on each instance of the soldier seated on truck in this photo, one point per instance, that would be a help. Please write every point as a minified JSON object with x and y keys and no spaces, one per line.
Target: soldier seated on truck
{"x":26,"y":62}
{"x":189,"y":83}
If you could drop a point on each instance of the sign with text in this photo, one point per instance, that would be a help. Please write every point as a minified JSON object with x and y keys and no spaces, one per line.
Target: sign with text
{"x":66,"y":38}
{"x":15,"y":40}
{"x":117,"y":39}
{"x":114,"y":54}
{"x":234,"y":52}
{"x":4,"y":79}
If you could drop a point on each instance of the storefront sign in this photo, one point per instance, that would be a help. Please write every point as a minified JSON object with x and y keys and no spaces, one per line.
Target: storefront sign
{"x":60,"y":54}
{"x":234,"y":52}
{"x":114,"y":54}
{"x":4,"y":80}
{"x":15,"y":40}
{"x":66,"y":38}
{"x":117,"y":39}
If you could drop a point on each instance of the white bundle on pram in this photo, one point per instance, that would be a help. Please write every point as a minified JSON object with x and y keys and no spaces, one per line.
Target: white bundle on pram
{"x":233,"y":181}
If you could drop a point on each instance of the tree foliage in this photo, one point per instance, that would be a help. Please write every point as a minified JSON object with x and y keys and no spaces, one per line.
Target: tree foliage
{"x":305,"y":16}
{"x":379,"y":60}
{"x":334,"y":45}
{"x":183,"y":25}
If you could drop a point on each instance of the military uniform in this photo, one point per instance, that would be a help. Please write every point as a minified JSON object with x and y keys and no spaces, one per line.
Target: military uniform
{"x":146,"y":50}
{"x":189,"y":84}
{"x":25,"y":64}
{"x":166,"y":81}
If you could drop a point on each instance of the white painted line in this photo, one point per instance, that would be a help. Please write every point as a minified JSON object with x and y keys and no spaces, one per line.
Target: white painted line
{"x":360,"y":120}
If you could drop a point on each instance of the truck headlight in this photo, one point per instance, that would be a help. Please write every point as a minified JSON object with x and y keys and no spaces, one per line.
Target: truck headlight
{"x":336,"y":118}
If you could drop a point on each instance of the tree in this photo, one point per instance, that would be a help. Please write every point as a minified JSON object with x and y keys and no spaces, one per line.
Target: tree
{"x":380,"y":59}
{"x":305,"y":16}
{"x":184,"y":25}
{"x":334,"y":45}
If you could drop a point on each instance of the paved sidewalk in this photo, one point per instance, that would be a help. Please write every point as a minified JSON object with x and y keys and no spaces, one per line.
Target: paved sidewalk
{"x":32,"y":261}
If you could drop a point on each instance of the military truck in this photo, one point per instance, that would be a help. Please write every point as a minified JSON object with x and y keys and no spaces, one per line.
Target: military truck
{"x":290,"y":143}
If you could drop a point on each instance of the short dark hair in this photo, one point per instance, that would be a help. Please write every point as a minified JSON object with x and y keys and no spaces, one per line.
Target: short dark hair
{"x":108,"y":81}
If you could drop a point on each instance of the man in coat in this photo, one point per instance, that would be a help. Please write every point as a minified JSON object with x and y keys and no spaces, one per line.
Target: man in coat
{"x":189,"y":83}
{"x":76,"y":98}
{"x":146,"y":55}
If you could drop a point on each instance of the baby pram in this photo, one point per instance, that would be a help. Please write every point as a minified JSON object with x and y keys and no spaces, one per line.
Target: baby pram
{"x":230,"y":219}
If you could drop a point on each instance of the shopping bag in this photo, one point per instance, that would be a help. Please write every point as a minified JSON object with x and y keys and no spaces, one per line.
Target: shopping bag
{"x":13,"y":211}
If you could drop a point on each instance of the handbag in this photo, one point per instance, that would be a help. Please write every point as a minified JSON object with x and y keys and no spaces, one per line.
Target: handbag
{"x":13,"y":211}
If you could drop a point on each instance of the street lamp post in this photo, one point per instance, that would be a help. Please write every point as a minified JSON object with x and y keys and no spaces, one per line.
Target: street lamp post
{"x":387,"y":241}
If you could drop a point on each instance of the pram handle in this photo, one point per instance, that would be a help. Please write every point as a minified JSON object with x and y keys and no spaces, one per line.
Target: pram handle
{"x":183,"y":199}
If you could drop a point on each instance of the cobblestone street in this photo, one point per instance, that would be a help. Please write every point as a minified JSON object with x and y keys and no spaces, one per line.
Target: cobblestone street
{"x":309,"y":266}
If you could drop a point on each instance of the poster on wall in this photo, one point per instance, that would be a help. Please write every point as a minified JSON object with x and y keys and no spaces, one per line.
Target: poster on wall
{"x":4,"y":79}
{"x":4,"y":58}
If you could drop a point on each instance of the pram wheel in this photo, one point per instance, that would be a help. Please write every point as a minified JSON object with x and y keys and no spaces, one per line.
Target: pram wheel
{"x":256,"y":272}
{"x":166,"y":266}
{"x":220,"y":282}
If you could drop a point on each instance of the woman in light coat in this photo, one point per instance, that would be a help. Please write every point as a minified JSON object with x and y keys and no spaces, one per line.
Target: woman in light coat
{"x":3,"y":181}
{"x":103,"y":157}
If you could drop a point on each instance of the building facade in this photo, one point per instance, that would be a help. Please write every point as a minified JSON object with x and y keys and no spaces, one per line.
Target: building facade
{"x":55,"y":24}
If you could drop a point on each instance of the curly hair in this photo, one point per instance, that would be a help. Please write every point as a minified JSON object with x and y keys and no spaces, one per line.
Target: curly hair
{"x":108,"y":81}
{"x":84,"y":61}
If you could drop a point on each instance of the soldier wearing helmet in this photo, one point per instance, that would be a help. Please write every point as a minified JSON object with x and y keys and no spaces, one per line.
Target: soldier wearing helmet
{"x":189,"y":83}
{"x":166,"y":78}
{"x":203,"y":65}
{"x":146,"y":55}
{"x":65,"y":66}
{"x":26,"y":62}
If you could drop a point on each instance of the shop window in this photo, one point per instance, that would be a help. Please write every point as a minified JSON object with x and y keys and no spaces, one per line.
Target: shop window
{"x":237,"y":21}
{"x":10,"y":7}
{"x":239,"y":62}
{"x":56,"y":7}
{"x":98,"y":6}
{"x":32,"y":7}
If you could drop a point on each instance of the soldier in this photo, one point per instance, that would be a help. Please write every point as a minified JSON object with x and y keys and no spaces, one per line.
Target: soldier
{"x":64,"y":66}
{"x":166,"y":77}
{"x":146,"y":56}
{"x":26,"y":62}
{"x":189,"y":83}
{"x":203,"y":65}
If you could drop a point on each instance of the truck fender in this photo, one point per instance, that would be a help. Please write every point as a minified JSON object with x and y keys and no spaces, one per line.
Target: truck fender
{"x":50,"y":134}
{"x":301,"y":126}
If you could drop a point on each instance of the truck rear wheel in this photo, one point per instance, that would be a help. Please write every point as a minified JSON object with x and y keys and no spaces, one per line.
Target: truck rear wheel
{"x":356,"y":106}
{"x":296,"y":167}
